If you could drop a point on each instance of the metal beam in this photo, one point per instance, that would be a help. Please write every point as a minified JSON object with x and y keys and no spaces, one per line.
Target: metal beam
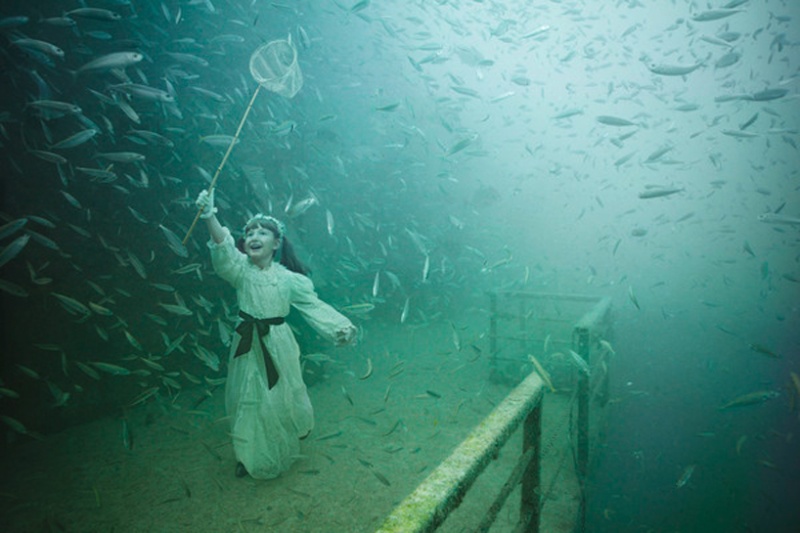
{"x":428,"y":506}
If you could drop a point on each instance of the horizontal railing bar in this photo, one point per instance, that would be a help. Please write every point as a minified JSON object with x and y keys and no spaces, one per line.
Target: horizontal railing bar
{"x":428,"y":506}
{"x":530,"y":339}
{"x":547,"y":296}
{"x":537,"y":318}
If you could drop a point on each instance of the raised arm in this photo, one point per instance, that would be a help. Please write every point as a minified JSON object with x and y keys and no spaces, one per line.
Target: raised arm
{"x":205,"y":201}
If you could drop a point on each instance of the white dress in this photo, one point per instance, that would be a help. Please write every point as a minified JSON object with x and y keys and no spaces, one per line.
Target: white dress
{"x":266,"y":423}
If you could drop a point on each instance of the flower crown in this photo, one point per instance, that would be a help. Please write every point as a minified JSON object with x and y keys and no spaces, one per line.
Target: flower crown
{"x":260,"y":217}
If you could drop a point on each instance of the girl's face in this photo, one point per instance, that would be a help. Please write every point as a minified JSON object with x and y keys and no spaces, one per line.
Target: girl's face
{"x":260,"y":244}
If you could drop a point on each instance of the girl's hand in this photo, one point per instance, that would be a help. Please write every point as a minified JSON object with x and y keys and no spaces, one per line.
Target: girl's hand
{"x":205,"y":201}
{"x":346,"y":335}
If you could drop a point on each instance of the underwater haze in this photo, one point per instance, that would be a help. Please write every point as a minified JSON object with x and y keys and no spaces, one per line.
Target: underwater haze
{"x":644,"y":150}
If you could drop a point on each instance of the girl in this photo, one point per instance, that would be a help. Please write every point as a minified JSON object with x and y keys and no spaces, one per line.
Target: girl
{"x":265,"y":396}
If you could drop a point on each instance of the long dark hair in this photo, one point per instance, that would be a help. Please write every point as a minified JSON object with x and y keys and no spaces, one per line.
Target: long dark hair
{"x":285,"y":253}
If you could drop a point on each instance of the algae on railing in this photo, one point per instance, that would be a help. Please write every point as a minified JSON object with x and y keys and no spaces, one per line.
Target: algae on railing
{"x":428,"y":506}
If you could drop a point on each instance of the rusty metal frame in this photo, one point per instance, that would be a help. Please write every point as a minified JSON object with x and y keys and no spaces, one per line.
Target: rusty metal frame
{"x":428,"y":506}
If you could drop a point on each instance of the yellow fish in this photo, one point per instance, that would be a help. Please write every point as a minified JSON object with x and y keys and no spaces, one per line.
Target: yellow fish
{"x":542,"y":372}
{"x":684,"y":479}
{"x":796,"y":381}
{"x":740,"y":443}
{"x":751,"y":399}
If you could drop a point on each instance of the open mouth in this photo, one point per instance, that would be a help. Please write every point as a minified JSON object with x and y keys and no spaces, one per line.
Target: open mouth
{"x":256,"y":246}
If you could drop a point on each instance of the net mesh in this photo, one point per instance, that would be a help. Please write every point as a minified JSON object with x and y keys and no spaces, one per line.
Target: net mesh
{"x":274,"y":66}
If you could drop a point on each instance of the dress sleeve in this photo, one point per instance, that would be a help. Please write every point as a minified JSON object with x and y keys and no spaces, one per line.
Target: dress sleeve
{"x":228,"y":262}
{"x":326,"y":320}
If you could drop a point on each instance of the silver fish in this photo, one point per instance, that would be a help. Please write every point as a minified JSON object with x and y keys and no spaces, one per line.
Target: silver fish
{"x":112,"y":61}
{"x":208,"y":93}
{"x":728,"y":59}
{"x":40,"y":46}
{"x":749,"y":122}
{"x":501,"y":97}
{"x":137,"y":215}
{"x":12,"y":250}
{"x":714,"y":14}
{"x":773,"y":218}
{"x":13,"y":21}
{"x":624,"y":159}
{"x":14,"y":424}
{"x":151,"y":137}
{"x":632,"y":297}
{"x":658,"y":193}
{"x":582,"y":365}
{"x":137,"y":264}
{"x":98,"y":174}
{"x":121,"y":157}
{"x":752,"y":398}
{"x":739,"y":134}
{"x":71,"y":200}
{"x":376,"y":284}
{"x":658,"y":153}
{"x":460,"y":145}
{"x":131,"y":113}
{"x":466,"y":91}
{"x":41,"y":239}
{"x":219,"y":140}
{"x":144,"y":92}
{"x":174,"y":242}
{"x":303,"y":38}
{"x":673,"y":70}
{"x":50,"y":157}
{"x":569,"y":113}
{"x":766,"y":95}
{"x":179,"y":310}
{"x":12,"y":227}
{"x":404,"y":314}
{"x":716,"y":40}
{"x":72,"y":305}
{"x":301,"y":207}
{"x":538,"y":31}
{"x":76,"y":139}
{"x":110,"y":368}
{"x":55,"y":106}
{"x":614,"y":121}
{"x":189,"y":59}
{"x":684,"y":479}
{"x":208,"y":357}
{"x":329,"y":220}
{"x":94,"y":13}
{"x":127,"y":436}
{"x":61,"y":22}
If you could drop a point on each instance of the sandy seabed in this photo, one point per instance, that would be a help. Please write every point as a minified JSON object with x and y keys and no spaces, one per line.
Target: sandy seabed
{"x":421,"y":400}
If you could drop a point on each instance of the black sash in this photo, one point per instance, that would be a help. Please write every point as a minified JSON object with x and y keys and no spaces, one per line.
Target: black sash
{"x":261,"y":325}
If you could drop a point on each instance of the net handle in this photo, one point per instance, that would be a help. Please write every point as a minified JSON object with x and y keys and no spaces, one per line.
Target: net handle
{"x":224,"y":160}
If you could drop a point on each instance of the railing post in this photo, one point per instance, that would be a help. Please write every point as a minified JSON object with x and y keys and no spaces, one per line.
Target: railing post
{"x":434,"y":499}
{"x":530,"y":506}
{"x":590,"y":324}
{"x":523,"y":327}
{"x":580,"y":342}
{"x":493,"y":330}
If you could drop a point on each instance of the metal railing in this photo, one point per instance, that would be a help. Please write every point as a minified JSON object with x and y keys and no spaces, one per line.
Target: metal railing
{"x":591,"y":327}
{"x":428,"y":506}
{"x":443,"y":490}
